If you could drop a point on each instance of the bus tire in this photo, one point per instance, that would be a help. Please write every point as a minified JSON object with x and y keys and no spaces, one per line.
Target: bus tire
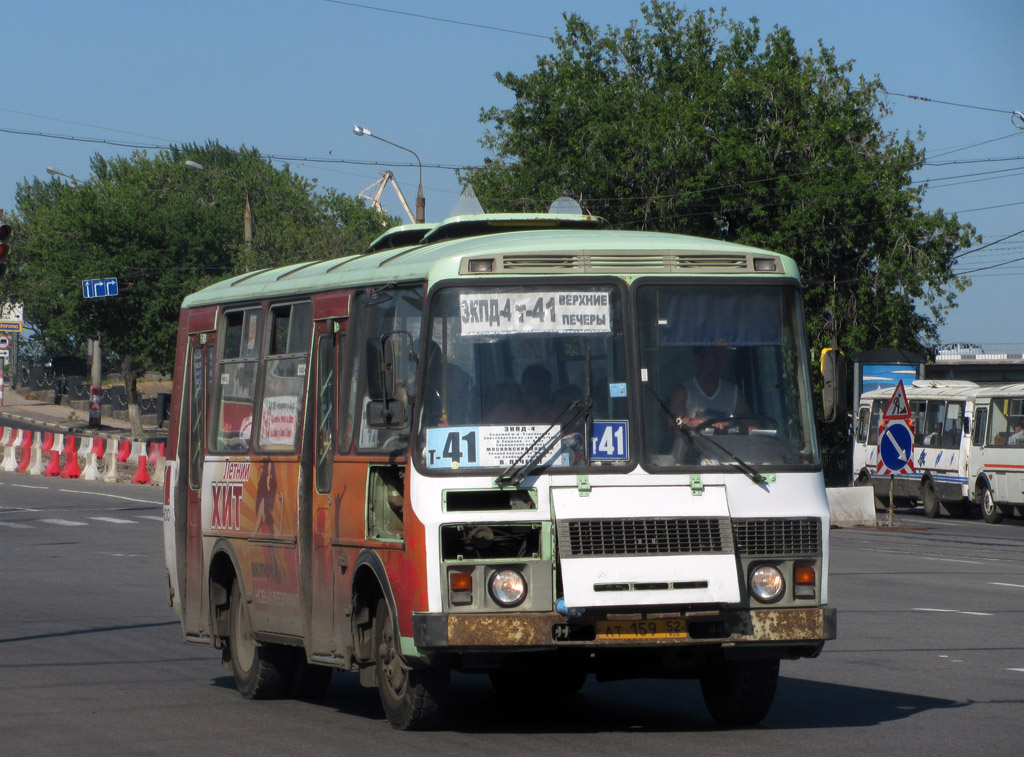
{"x":260,"y":669}
{"x":414,"y":699}
{"x":929,"y":500}
{"x":740,"y":692}
{"x":989,"y":509}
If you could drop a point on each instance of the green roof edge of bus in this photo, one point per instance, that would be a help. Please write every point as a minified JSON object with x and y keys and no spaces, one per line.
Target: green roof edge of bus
{"x":442,"y":259}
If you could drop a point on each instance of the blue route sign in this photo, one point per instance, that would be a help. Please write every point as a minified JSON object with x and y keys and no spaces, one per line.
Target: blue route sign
{"x":896,"y":446}
{"x":99,"y":288}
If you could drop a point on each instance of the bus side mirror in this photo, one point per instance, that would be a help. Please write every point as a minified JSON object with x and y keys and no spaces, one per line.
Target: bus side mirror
{"x":833,"y":380}
{"x":389,"y":399}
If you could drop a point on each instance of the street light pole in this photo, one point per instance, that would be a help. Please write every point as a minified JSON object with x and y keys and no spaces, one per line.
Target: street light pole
{"x":421,"y":203}
{"x":247,"y":213}
{"x":96,"y":372}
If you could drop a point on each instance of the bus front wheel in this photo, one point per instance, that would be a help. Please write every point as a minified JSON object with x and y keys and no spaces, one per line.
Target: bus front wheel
{"x":740,"y":692}
{"x":930,"y":501}
{"x":989,"y":509}
{"x":260,"y":669}
{"x":414,"y":699}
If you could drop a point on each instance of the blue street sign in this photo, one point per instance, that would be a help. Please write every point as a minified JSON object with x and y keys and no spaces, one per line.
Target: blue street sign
{"x":896,"y":445}
{"x":99,"y":288}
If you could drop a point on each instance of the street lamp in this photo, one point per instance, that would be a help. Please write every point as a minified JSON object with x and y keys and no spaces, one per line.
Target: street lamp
{"x":421,"y":203}
{"x":247,"y":215}
{"x":95,"y":352}
{"x":54,"y":172}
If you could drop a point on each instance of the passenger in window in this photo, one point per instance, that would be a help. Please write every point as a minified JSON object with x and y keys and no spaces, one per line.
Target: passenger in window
{"x":934,"y":439}
{"x":1017,"y":437}
{"x":530,"y":403}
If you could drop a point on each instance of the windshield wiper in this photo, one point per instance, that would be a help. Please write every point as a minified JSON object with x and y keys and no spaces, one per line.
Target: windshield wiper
{"x":698,"y":439}
{"x":532,"y":455}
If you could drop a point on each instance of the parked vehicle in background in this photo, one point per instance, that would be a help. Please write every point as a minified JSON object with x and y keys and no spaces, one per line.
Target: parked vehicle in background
{"x":996,"y":463}
{"x":940,"y":421}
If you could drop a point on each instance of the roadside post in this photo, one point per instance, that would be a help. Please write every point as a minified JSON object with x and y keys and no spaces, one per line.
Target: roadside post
{"x":106,"y":287}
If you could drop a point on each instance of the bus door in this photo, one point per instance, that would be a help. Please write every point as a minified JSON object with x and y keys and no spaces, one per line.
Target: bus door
{"x":200,"y":362}
{"x":328,"y":351}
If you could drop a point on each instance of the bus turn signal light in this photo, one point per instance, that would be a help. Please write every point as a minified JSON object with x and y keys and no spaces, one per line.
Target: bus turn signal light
{"x":460,"y":581}
{"x":804,"y":574}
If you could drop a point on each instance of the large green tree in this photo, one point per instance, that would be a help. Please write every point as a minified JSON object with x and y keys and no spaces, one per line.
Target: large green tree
{"x":163,"y":231}
{"x":694,"y":123}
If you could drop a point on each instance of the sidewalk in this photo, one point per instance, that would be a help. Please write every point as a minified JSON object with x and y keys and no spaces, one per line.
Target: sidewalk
{"x":67,"y":420}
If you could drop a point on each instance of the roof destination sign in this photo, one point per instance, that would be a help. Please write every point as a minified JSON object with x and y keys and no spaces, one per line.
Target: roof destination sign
{"x":535,"y":312}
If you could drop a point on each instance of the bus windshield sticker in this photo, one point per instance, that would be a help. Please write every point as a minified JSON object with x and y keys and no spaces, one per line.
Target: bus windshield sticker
{"x":617,"y":389}
{"x":535,"y":313}
{"x":487,"y":446}
{"x":609,"y":440}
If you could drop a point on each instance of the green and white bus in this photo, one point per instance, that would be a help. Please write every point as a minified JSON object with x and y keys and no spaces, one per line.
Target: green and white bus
{"x":524,"y":446}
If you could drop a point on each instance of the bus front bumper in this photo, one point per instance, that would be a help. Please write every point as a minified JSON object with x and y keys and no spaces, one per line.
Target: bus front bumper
{"x":550,"y":630}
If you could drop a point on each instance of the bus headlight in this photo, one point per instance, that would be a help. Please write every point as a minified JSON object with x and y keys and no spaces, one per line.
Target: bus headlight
{"x":766,"y":583}
{"x":508,"y":587}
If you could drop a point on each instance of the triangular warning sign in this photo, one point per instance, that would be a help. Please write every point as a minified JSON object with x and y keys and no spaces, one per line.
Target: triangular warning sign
{"x":898,"y":406}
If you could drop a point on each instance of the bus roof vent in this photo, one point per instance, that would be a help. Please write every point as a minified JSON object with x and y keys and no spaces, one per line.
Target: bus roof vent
{"x":736,"y":262}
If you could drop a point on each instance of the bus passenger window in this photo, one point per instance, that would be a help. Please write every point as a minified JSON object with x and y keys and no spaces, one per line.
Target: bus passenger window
{"x":235,"y":381}
{"x":284,"y":376}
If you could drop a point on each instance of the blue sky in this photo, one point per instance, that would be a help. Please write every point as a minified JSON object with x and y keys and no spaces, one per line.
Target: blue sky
{"x":291,"y":77}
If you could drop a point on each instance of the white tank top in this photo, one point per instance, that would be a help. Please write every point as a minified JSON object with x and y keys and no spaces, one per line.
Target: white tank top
{"x":701,"y":406}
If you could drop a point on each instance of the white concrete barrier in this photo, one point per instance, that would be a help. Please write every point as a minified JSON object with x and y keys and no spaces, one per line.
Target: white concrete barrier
{"x":851,"y":506}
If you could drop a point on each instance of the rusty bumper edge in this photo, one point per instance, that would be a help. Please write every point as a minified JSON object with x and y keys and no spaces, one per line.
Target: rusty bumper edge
{"x":479,"y":630}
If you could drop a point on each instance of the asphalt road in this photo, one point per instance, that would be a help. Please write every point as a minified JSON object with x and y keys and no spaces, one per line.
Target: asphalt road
{"x":929,"y":660}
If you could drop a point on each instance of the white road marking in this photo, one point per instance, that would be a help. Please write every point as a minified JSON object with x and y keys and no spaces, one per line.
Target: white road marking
{"x":955,"y":612}
{"x":113,"y":520}
{"x":59,"y":522}
{"x":27,"y":486}
{"x":152,"y":517}
{"x":1012,"y":586}
{"x":1016,"y":670}
{"x":14,"y":525}
{"x":113,"y":496}
{"x":950,"y":559}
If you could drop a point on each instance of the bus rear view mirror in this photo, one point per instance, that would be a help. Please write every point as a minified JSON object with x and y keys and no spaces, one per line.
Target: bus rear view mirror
{"x":386,"y":414}
{"x":833,"y":385}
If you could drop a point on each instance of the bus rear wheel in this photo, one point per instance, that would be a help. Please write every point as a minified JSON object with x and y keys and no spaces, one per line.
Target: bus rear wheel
{"x":740,"y":692}
{"x":414,"y":699}
{"x":260,"y":669}
{"x":989,"y":509}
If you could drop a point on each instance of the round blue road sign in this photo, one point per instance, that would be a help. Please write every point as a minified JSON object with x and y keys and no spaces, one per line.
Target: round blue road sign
{"x":896,"y":445}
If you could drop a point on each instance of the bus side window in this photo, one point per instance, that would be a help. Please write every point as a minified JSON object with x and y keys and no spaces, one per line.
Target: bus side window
{"x":235,"y":382}
{"x":980,"y":426}
{"x":284,"y":376}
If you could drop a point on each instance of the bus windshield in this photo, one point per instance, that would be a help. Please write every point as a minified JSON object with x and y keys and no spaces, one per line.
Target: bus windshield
{"x":727,"y":362}
{"x":515,"y":366}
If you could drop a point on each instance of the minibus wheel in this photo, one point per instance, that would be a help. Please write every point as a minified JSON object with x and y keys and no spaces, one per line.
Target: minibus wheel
{"x":260,"y":669}
{"x":929,"y":500}
{"x":414,"y":699}
{"x":740,"y":692}
{"x":989,"y":509}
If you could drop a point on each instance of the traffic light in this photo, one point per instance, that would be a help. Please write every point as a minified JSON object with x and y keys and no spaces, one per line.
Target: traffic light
{"x":5,"y":247}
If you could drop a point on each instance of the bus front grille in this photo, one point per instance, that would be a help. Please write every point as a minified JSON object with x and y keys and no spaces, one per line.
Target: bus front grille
{"x":771,"y":537}
{"x":609,"y":537}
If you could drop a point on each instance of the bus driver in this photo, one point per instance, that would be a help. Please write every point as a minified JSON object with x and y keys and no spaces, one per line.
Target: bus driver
{"x":707,"y":395}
